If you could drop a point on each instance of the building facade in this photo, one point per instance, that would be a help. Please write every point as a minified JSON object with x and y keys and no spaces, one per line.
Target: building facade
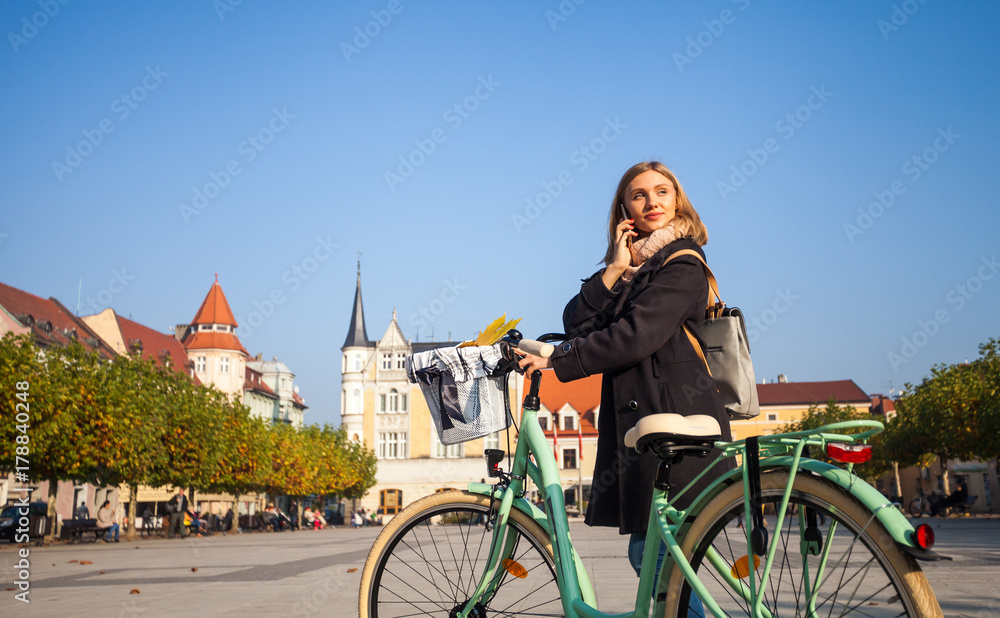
{"x":380,"y":408}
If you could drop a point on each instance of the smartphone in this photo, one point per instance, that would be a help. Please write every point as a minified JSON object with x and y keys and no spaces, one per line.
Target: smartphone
{"x":628,"y":237}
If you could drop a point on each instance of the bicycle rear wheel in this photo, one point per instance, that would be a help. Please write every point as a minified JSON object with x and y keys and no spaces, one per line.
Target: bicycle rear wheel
{"x":429,"y":558}
{"x":865,"y":574}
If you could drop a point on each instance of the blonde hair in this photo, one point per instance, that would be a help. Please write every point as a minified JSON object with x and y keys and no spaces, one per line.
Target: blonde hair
{"x":686,"y":219}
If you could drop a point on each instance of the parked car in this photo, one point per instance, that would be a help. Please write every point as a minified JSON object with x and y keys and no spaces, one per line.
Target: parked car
{"x":10,"y":514}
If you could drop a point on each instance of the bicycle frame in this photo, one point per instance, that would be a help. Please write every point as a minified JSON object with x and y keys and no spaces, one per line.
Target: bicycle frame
{"x":666,"y":522}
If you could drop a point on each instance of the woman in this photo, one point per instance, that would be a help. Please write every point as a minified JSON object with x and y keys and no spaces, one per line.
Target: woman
{"x":626,"y":323}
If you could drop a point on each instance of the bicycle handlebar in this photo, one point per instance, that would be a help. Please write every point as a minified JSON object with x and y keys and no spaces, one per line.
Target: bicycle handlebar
{"x":536,"y":348}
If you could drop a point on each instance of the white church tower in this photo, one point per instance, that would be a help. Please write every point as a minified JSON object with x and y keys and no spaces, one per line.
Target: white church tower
{"x":356,"y":368}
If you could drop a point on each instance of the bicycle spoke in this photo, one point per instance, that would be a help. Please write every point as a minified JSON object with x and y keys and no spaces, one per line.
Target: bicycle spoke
{"x":856,"y":579}
{"x":455,"y":562}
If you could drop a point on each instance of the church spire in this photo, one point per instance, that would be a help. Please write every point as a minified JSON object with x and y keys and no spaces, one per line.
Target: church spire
{"x":356,"y":334}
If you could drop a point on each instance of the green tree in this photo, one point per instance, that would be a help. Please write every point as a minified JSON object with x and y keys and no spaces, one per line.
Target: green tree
{"x":953,"y":414}
{"x":130,"y":418}
{"x":63,"y":386}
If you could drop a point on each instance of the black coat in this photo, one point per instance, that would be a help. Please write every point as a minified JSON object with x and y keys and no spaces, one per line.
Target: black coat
{"x":632,"y":335}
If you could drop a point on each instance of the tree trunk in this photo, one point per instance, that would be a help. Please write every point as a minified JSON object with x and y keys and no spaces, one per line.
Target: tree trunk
{"x":52,"y":514}
{"x":133,"y":506}
{"x":899,"y":485}
{"x":945,"y":481}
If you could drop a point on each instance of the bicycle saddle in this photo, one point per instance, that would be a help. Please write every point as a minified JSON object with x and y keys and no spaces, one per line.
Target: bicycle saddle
{"x":673,"y":434}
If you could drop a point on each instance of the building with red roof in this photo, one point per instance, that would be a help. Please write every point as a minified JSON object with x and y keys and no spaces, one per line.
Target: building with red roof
{"x":568,"y":416}
{"x":127,"y":337}
{"x":783,"y":403}
{"x":211,"y":343}
{"x":49,"y":322}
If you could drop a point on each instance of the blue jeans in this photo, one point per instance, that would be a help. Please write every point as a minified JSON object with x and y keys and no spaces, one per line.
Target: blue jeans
{"x":636,"y":547}
{"x":113,"y":528}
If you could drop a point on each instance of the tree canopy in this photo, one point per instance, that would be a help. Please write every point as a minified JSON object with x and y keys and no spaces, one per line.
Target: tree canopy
{"x":130,"y":422}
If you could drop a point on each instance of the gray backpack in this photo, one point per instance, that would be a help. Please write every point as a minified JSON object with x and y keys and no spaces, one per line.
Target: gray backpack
{"x":728,"y":351}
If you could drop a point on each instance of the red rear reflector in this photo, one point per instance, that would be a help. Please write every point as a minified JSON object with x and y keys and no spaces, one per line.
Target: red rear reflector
{"x":849,"y":453}
{"x":924,"y":536}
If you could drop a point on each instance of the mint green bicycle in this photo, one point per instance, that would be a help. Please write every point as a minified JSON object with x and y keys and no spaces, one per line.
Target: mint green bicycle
{"x":782,"y":535}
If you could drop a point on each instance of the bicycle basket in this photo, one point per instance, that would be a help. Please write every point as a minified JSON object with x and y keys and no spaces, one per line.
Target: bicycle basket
{"x":465,"y":390}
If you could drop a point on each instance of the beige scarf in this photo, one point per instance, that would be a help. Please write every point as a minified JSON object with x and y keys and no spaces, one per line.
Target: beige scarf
{"x":645,"y":248}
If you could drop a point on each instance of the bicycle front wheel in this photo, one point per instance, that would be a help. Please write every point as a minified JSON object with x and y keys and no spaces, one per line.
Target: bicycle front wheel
{"x":832,"y":557}
{"x":429,"y":558}
{"x":916,"y":507}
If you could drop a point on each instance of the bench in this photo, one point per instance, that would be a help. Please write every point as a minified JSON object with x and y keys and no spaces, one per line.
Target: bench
{"x":74,"y":530}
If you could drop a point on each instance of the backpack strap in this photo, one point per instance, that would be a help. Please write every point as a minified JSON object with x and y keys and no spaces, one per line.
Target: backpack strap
{"x":712,"y":308}
{"x":697,"y":348}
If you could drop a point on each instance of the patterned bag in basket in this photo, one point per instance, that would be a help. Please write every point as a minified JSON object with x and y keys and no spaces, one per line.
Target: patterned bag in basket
{"x":465,"y":390}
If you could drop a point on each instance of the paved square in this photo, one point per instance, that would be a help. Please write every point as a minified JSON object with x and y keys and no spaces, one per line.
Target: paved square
{"x":310,"y":573}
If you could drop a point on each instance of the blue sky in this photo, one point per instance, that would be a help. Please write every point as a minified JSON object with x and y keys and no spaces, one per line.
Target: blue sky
{"x":840,"y":155}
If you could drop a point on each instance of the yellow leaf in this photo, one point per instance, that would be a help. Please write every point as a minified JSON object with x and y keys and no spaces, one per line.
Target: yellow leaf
{"x":492,"y":333}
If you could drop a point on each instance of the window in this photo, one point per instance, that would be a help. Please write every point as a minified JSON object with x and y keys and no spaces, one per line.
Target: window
{"x":492,"y":440}
{"x":390,"y":501}
{"x":400,"y":361}
{"x":357,"y":362}
{"x":387,"y":361}
{"x":772,"y":416}
{"x":402,"y":402}
{"x":392,"y":445}
{"x":223,"y":365}
{"x":206,"y":327}
{"x":569,"y":459}
{"x":569,"y":422}
{"x":451,"y":451}
{"x":543,"y":422}
{"x":199,"y":364}
{"x":356,"y":401}
{"x":393,"y":400}
{"x":381,"y":404}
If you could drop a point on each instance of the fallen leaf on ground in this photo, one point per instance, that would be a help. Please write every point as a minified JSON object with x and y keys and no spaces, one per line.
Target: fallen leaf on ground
{"x":134,"y":591}
{"x":100,"y":572}
{"x":194,"y":569}
{"x":71,"y":561}
{"x":86,"y":562}
{"x":352,"y":570}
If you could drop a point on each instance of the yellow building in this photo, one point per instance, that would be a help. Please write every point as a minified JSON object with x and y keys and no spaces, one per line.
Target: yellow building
{"x":783,"y":403}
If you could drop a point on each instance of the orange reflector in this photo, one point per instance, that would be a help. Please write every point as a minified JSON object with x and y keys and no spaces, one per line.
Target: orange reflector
{"x":924,"y":536}
{"x":514,"y":568}
{"x":849,"y":453}
{"x":741,"y":569}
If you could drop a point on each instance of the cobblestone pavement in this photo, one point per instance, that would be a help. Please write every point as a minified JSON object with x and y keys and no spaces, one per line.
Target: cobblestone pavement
{"x":308,"y":573}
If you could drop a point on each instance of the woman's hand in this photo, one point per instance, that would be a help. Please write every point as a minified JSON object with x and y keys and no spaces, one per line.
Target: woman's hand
{"x":530,"y":363}
{"x":623,"y":253}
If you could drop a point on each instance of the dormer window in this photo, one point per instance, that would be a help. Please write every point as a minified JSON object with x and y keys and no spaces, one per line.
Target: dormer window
{"x":205,"y":327}
{"x":569,"y":422}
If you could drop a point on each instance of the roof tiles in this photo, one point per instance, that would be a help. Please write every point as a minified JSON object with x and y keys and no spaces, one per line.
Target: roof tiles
{"x":215,"y":309}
